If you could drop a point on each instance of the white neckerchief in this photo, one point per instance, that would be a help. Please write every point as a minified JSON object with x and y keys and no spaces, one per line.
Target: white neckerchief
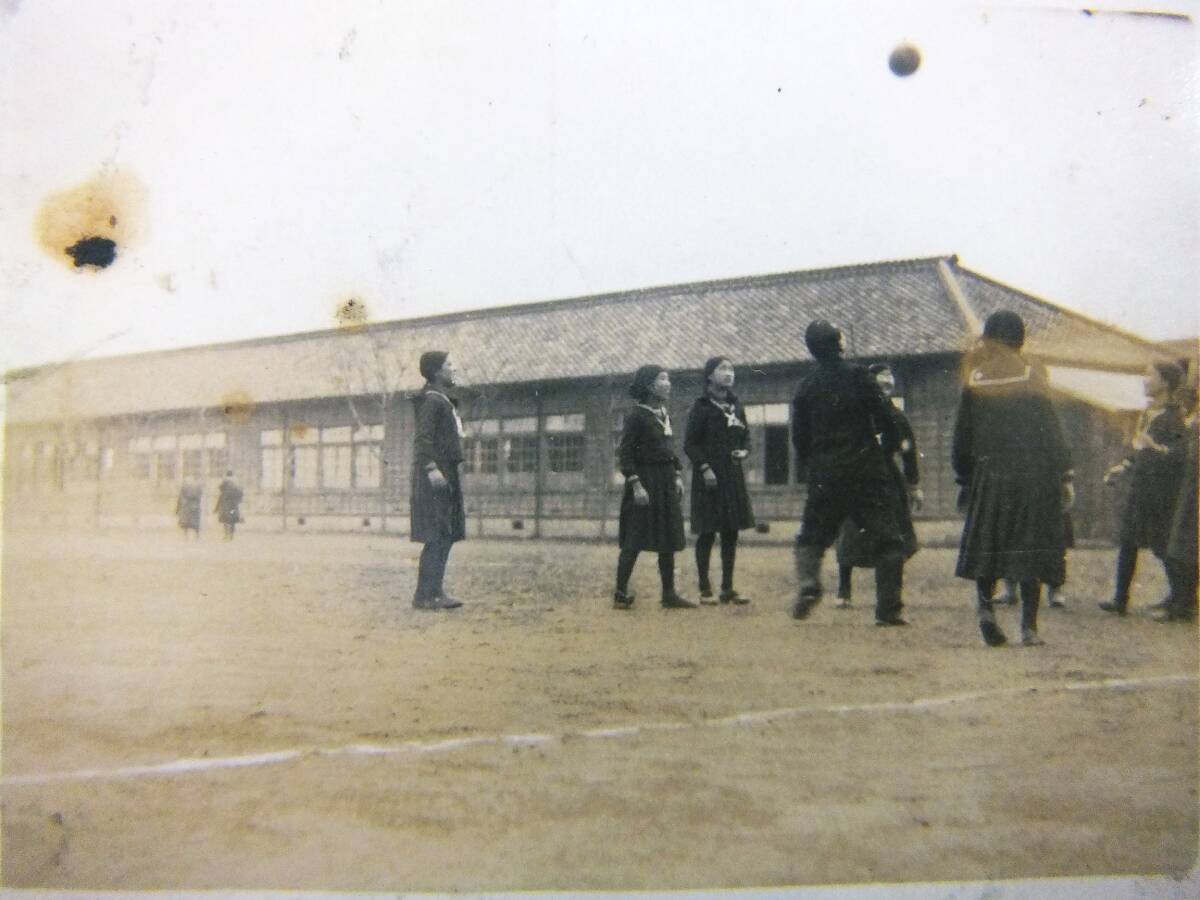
{"x":458,"y":422}
{"x":661,"y":416}
{"x":729,"y":410}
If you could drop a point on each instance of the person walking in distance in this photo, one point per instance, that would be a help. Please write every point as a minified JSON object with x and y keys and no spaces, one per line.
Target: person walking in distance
{"x":651,"y":516}
{"x":855,"y":549}
{"x":438,"y":516}
{"x":1014,"y":471}
{"x":836,"y":414}
{"x":188,"y":506}
{"x":229,"y":503}
{"x":1153,"y":470}
{"x":716,"y":441}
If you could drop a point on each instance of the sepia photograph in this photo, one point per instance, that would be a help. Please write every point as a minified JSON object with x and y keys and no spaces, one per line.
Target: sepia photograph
{"x":618,"y":447}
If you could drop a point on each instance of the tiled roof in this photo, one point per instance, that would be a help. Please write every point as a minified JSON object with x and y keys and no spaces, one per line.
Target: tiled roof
{"x":887,"y":309}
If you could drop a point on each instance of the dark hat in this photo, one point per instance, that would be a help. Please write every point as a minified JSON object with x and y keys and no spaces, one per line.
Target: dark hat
{"x":823,"y":339}
{"x":711,"y":365}
{"x":1005,"y":327}
{"x":642,"y":379}
{"x":876,"y":368}
{"x":431,"y":363}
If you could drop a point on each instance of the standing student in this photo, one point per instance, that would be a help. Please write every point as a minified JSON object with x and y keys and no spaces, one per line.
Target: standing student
{"x":651,"y":516}
{"x":836,"y":415}
{"x":716,"y":441}
{"x":229,"y":503}
{"x":855,"y":548}
{"x":1012,"y":464}
{"x":438,"y":516}
{"x":1181,"y":544}
{"x":1153,"y":469}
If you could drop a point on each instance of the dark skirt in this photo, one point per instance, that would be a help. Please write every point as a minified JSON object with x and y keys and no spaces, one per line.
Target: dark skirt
{"x":859,"y":549}
{"x":1014,"y":527}
{"x":659,"y":526}
{"x":436,"y":516}
{"x":1146,"y":514}
{"x":725,"y":507}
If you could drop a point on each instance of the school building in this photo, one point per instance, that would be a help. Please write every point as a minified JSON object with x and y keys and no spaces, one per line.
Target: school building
{"x":318,"y":427}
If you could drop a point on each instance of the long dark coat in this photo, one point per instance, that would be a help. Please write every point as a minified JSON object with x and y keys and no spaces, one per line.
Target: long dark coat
{"x":1153,"y":479}
{"x":436,"y":515}
{"x":1010,"y":454}
{"x":648,"y":451}
{"x":710,"y":440}
{"x":855,"y":546}
{"x":229,"y":501}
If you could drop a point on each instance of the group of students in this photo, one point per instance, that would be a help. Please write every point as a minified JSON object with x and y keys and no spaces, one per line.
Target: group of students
{"x":861,"y":463}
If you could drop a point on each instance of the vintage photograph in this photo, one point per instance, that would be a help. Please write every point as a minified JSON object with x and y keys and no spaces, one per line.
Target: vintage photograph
{"x":458,"y":447}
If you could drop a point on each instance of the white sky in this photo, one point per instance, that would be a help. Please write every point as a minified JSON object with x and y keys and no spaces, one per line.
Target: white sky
{"x":429,"y":157}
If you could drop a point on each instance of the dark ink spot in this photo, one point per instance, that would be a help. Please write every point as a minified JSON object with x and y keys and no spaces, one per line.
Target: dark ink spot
{"x":93,"y":251}
{"x":112,"y":221}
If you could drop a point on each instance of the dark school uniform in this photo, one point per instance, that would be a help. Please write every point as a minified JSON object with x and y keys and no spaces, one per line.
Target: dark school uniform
{"x":1009,"y":454}
{"x":855,"y":546}
{"x":836,"y":414}
{"x":647,"y":450}
{"x":1182,"y":545}
{"x":714,"y":432}
{"x":1153,"y":475}
{"x":436,"y":515}
{"x":229,"y":502}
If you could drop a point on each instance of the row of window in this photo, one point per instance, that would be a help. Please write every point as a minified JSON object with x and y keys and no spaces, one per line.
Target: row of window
{"x":345,"y":457}
{"x":339,"y":457}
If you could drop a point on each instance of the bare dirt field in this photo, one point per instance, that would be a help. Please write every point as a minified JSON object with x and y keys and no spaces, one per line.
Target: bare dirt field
{"x":538,"y":739}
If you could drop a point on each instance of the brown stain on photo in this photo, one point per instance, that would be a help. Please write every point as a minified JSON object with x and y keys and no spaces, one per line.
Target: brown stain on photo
{"x":298,"y":431}
{"x":351,"y":313}
{"x":90,"y":225}
{"x":237,"y":407}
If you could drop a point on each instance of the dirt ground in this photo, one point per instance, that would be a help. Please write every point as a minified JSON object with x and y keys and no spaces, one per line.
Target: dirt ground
{"x":538,"y":739}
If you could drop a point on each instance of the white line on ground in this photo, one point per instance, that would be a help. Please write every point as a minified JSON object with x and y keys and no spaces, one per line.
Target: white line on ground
{"x":203,"y":764}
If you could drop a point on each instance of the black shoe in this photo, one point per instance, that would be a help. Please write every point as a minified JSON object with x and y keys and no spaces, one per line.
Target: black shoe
{"x":674,"y":601}
{"x":623,"y":600}
{"x":805,"y":604}
{"x":421,"y":603}
{"x":443,"y":603}
{"x":731,"y":596}
{"x":1113,"y":607}
{"x":705,"y":590}
{"x":890,"y":622}
{"x":992,"y":635}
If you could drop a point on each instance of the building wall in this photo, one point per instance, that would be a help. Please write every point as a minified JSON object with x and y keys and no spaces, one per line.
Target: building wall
{"x":542,"y":457}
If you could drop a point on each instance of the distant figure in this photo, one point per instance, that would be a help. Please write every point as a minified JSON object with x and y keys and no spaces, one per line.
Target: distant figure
{"x":229,"y":502}
{"x":437,"y":511}
{"x":1154,"y":470}
{"x":651,"y":515}
{"x":855,"y":548}
{"x":188,"y":505}
{"x":717,"y":440}
{"x":1012,"y":462}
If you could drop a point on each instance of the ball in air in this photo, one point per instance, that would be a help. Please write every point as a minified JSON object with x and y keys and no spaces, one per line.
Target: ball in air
{"x":904,"y":60}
